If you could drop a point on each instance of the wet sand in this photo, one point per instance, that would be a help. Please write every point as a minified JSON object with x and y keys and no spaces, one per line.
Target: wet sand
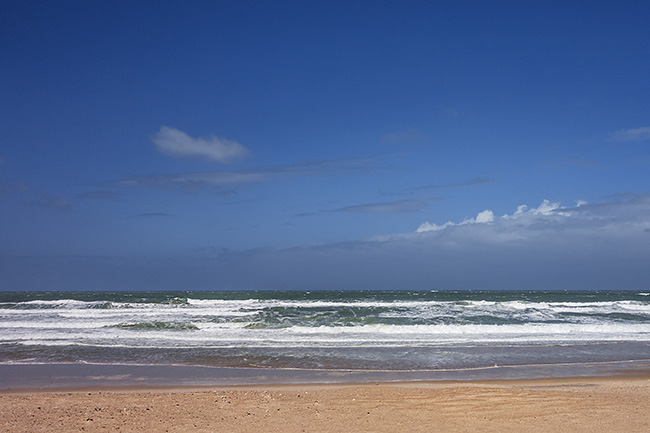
{"x":599,"y":404}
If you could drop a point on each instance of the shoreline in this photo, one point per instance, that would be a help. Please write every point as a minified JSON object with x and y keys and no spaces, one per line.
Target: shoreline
{"x":580,"y":404}
{"x":70,"y":376}
{"x":551,"y":382}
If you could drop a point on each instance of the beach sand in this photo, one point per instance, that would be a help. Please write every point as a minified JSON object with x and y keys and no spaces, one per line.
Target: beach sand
{"x":615,"y":404}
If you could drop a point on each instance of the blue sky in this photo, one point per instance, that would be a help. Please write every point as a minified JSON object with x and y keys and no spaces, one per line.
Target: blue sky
{"x":324,"y":145}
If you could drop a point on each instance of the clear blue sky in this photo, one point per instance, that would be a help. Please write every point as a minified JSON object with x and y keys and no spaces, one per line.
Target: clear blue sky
{"x":324,"y":145}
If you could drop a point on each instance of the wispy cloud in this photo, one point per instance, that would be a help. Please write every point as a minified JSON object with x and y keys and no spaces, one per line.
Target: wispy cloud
{"x":16,"y":187}
{"x":226,"y":180}
{"x":401,"y":206}
{"x":635,"y":134}
{"x":100,"y":195}
{"x":192,"y":181}
{"x":573,"y":161}
{"x":477,"y":181}
{"x":54,"y":202}
{"x":34,"y":196}
{"x":408,"y":136}
{"x":153,"y":215}
{"x":174,"y":142}
{"x":450,"y":111}
{"x":640,"y":160}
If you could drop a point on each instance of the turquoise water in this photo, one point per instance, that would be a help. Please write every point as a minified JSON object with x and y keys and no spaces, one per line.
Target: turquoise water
{"x":364,"y":330}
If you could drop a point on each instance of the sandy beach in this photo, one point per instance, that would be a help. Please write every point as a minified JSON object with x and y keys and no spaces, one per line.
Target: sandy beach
{"x":602,"y":404}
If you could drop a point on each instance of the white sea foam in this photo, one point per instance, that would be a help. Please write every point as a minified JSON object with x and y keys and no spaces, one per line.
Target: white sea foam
{"x":235,"y":335}
{"x":327,"y":323}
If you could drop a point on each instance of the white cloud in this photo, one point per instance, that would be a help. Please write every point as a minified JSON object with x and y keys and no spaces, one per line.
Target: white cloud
{"x":485,"y":217}
{"x":635,"y":134}
{"x":545,"y":209}
{"x":173,"y":142}
{"x":430,"y":227}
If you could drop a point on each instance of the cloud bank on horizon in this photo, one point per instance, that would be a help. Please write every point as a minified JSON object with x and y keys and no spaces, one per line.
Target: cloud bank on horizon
{"x":593,"y":246}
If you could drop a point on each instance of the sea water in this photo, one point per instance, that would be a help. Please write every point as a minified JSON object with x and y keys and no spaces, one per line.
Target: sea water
{"x":332,"y":330}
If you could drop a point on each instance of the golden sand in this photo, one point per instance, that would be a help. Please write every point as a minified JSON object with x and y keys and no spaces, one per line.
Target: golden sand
{"x":552,"y":405}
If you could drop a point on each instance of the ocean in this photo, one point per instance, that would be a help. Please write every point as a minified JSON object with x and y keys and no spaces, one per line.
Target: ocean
{"x":328,"y":330}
